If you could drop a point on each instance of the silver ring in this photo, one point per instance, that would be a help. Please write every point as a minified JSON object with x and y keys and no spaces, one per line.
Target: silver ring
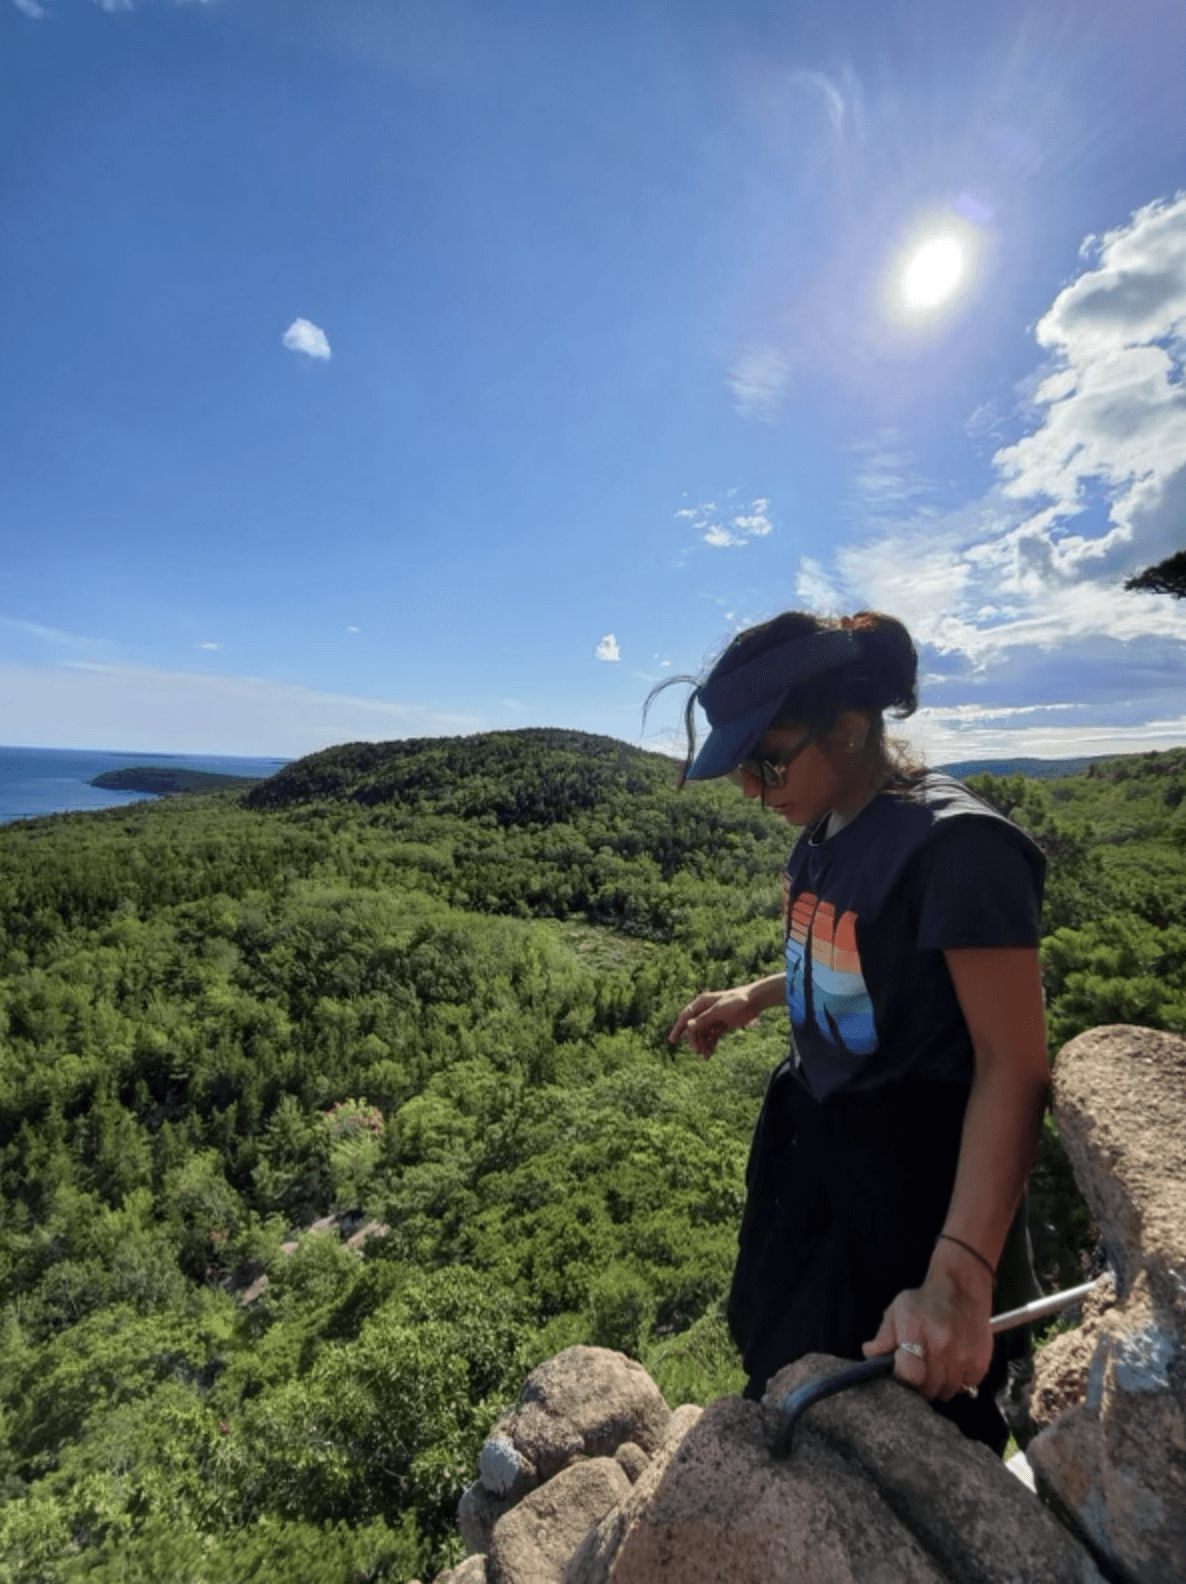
{"x":972,"y":1391}
{"x":912,"y":1347}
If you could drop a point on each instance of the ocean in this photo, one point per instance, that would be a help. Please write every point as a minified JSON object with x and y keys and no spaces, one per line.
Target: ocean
{"x":37,"y":781}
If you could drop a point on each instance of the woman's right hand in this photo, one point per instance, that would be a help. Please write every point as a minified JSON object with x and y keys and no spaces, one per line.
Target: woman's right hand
{"x":711,"y":1014}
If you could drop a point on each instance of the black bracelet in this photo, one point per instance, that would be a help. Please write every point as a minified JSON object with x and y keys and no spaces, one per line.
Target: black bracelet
{"x":968,"y":1249}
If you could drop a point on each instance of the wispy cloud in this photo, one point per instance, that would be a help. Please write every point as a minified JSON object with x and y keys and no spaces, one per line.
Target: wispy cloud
{"x":887,"y":480}
{"x":304,"y":336}
{"x":731,"y":526}
{"x":51,"y":635}
{"x":833,"y":97}
{"x":946,"y":738}
{"x":757,"y":380}
{"x":97,"y":706}
{"x":34,"y":8}
{"x":607,"y":648}
{"x":815,"y":589}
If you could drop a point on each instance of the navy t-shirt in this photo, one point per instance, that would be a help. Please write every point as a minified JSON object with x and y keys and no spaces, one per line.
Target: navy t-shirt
{"x":868,"y":913}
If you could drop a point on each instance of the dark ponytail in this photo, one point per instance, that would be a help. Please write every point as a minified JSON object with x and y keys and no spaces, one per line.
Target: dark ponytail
{"x":884,"y":676}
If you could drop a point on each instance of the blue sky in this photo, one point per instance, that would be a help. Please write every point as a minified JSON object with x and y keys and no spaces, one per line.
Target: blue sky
{"x":378,"y":369}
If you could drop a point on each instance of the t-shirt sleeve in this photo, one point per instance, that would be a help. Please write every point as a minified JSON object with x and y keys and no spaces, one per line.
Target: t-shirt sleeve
{"x":976,"y":888}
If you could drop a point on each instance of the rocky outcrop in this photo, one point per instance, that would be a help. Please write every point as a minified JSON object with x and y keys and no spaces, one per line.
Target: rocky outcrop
{"x":1061,"y":1368}
{"x":877,"y":1490}
{"x":533,"y":1543}
{"x":592,"y":1480}
{"x":1114,"y":1462}
{"x":587,"y":1402}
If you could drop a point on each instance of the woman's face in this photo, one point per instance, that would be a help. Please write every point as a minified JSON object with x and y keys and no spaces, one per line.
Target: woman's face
{"x":820,"y":777}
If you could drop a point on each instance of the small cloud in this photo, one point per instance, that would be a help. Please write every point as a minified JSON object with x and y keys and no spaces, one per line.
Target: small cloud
{"x":354,"y":629}
{"x":304,"y":336}
{"x":755,"y":523}
{"x":607,"y":648}
{"x":209,"y":646}
{"x":31,"y":9}
{"x":720,"y":537}
{"x":732,"y":527}
{"x":757,"y":381}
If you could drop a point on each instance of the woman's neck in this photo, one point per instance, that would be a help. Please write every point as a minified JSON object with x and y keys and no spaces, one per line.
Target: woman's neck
{"x":838,"y":818}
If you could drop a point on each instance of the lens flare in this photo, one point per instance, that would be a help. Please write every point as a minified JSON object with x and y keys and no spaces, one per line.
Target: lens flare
{"x":932,"y":273}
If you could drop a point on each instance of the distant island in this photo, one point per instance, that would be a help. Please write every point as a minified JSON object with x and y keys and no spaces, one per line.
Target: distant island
{"x":163,"y":781}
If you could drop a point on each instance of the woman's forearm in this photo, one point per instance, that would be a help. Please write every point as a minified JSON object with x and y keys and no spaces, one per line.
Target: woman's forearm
{"x":1000,"y":994}
{"x":997,"y":1151}
{"x":765,"y":993}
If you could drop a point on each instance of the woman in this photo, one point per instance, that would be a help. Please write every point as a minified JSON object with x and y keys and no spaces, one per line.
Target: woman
{"x":885,"y":1186}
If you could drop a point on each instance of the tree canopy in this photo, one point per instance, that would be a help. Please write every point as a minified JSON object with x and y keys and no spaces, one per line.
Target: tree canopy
{"x":421,"y":988}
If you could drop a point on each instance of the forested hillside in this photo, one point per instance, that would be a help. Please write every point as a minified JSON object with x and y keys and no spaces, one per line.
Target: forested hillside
{"x":427,"y":982}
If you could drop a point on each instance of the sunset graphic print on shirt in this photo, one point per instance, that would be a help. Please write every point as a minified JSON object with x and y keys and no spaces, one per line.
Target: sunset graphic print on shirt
{"x":825,"y":985}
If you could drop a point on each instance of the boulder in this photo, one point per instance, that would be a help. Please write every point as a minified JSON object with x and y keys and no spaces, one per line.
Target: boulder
{"x":477,"y":1513}
{"x":504,"y":1470}
{"x":877,"y":1490}
{"x":534,"y":1541}
{"x":1115,"y":1463}
{"x":471,"y":1571}
{"x":585,"y":1402}
{"x":1061,"y":1368}
{"x":631,"y":1459}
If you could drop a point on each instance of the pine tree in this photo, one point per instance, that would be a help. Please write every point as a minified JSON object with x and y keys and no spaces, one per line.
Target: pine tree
{"x":1167,"y":577}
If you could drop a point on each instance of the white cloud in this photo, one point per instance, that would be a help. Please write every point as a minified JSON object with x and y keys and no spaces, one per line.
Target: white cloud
{"x":887,"y":481}
{"x":757,"y":380}
{"x":607,"y":648}
{"x":55,"y":636}
{"x":34,"y":8}
{"x":729,"y":527}
{"x":1095,"y":490}
{"x":720,"y":537}
{"x":138,"y":710}
{"x":943,"y":739}
{"x":1113,"y":399}
{"x":210,"y":646}
{"x":755,"y":523}
{"x":354,"y":629}
{"x":304,"y":336}
{"x":815,"y":590}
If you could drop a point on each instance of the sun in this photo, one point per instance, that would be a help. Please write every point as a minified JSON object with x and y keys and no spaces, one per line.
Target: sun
{"x":933,"y":273}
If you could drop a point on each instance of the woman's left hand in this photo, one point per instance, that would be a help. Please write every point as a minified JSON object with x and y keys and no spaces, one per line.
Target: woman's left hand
{"x":945,"y":1324}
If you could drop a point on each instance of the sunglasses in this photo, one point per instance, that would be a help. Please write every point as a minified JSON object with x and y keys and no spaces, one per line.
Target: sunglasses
{"x":770,"y":772}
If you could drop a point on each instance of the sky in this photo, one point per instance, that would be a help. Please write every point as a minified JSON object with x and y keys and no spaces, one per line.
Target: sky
{"x":396,"y":368}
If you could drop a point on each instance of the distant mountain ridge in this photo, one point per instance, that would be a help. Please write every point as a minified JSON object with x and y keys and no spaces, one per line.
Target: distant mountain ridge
{"x":419,"y":769}
{"x":1026,"y":767}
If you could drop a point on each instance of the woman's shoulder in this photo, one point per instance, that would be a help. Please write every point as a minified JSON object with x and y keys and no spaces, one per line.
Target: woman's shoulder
{"x":942,"y":796}
{"x":946,"y":816}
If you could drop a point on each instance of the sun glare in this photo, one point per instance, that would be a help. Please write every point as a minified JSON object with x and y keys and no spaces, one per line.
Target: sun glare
{"x":932,"y":273}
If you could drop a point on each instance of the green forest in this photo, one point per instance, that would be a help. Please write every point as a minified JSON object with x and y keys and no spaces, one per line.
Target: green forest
{"x":417,"y":990}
